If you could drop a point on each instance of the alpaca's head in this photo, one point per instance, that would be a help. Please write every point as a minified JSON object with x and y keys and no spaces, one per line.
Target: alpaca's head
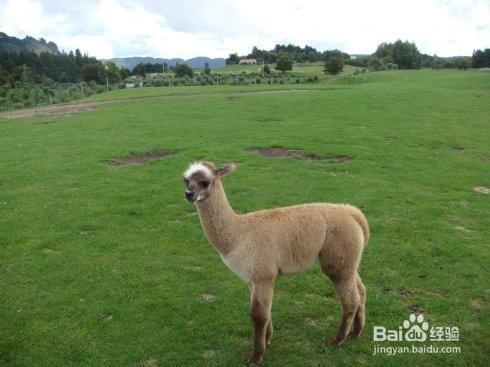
{"x":200,"y":177}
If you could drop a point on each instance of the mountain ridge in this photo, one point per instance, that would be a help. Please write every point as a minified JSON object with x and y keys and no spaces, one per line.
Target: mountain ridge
{"x":195,"y":62}
{"x":14,"y":44}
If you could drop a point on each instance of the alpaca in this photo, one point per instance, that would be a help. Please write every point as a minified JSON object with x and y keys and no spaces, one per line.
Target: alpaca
{"x":263,"y":245}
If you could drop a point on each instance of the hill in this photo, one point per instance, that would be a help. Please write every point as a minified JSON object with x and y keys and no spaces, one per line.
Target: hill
{"x":196,"y":62}
{"x":14,"y":44}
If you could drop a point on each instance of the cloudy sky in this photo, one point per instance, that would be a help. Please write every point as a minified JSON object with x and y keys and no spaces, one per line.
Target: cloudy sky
{"x":215,"y":28}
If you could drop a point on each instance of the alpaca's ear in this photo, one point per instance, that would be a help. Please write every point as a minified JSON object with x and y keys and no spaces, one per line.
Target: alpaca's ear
{"x":227,"y":168}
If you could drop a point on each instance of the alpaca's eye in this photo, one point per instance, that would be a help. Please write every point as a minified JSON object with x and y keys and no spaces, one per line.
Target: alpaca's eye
{"x":203,"y":184}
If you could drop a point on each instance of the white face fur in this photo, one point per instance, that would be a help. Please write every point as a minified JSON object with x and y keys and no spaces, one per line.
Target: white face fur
{"x":196,"y":167}
{"x":198,"y":179}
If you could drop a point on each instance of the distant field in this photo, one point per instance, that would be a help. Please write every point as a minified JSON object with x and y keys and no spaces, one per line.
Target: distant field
{"x":313,"y":68}
{"x":104,"y":264}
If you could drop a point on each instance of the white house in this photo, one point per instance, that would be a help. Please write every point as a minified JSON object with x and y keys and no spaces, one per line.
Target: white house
{"x":247,"y":61}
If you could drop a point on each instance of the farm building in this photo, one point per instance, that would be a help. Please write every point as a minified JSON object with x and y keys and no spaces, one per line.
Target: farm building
{"x":247,"y":61}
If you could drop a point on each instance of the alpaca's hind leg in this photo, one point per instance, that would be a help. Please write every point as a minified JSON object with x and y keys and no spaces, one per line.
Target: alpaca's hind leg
{"x":269,"y":331}
{"x":260,"y":312}
{"x":349,"y":296}
{"x":360,"y":317}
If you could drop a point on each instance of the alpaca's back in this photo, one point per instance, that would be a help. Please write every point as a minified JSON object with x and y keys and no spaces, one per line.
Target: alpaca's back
{"x":291,"y":238}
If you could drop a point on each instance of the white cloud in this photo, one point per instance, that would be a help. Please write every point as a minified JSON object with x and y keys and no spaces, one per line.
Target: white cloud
{"x":215,"y":28}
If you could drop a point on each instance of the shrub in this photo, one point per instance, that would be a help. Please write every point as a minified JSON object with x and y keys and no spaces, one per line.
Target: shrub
{"x":284,"y":63}
{"x":181,"y":70}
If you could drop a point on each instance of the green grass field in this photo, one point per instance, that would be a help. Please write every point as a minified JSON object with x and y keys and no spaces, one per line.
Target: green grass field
{"x":310,"y":68}
{"x":106,"y":265}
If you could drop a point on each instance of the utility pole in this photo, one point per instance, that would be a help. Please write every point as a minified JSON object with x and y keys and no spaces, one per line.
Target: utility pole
{"x":106,"y":78}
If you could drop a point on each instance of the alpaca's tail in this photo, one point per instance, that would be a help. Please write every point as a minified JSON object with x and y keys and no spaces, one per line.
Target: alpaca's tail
{"x":363,"y":223}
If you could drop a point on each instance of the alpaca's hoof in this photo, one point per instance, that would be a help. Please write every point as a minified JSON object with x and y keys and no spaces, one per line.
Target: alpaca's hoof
{"x":255,"y":360}
{"x":355,"y":334}
{"x":335,"y":342}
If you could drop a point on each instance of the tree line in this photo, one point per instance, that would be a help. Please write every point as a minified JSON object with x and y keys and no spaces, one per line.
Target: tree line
{"x":295,"y":53}
{"x":73,"y":67}
{"x":388,"y":55}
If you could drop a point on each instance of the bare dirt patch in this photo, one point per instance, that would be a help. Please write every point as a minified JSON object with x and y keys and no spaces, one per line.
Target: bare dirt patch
{"x":139,"y":158}
{"x":476,"y":304}
{"x":208,"y":354}
{"x":107,"y":318}
{"x":268,"y":119}
{"x":62,"y":109}
{"x":311,"y":321}
{"x":408,"y":293}
{"x":148,"y":363}
{"x":458,"y":148}
{"x":207,"y":297}
{"x":462,"y":229}
{"x":278,"y":152}
{"x":481,"y":189}
{"x":50,"y":250}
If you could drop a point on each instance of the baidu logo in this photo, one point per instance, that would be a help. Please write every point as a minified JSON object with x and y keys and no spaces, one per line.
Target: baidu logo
{"x":416,"y":328}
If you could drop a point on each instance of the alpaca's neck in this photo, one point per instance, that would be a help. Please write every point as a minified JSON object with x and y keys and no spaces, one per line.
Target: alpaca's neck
{"x":219,"y":221}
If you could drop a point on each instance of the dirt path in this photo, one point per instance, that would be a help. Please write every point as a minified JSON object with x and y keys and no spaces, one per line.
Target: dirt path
{"x":68,"y":109}
{"x":60,"y":109}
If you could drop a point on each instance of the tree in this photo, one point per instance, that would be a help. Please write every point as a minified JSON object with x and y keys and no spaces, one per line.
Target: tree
{"x":207,"y":70}
{"x":334,"y":65}
{"x":326,"y":55}
{"x":5,"y":77}
{"x":267,"y":69}
{"x":181,"y":70}
{"x":78,"y":57}
{"x":93,"y":72}
{"x":140,"y":70}
{"x":374,"y":63}
{"x":481,"y":58}
{"x":463,"y":64}
{"x":125,"y":72}
{"x":232,"y":59}
{"x":284,"y":63}
{"x":404,"y":54}
{"x":112,"y":72}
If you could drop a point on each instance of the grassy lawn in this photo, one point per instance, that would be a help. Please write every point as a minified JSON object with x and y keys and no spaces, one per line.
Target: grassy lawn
{"x":204,"y":91}
{"x":310,"y":68}
{"x":108,"y":265}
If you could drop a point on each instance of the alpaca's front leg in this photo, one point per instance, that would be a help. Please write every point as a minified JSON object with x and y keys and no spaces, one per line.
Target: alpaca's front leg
{"x":260,"y":312}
